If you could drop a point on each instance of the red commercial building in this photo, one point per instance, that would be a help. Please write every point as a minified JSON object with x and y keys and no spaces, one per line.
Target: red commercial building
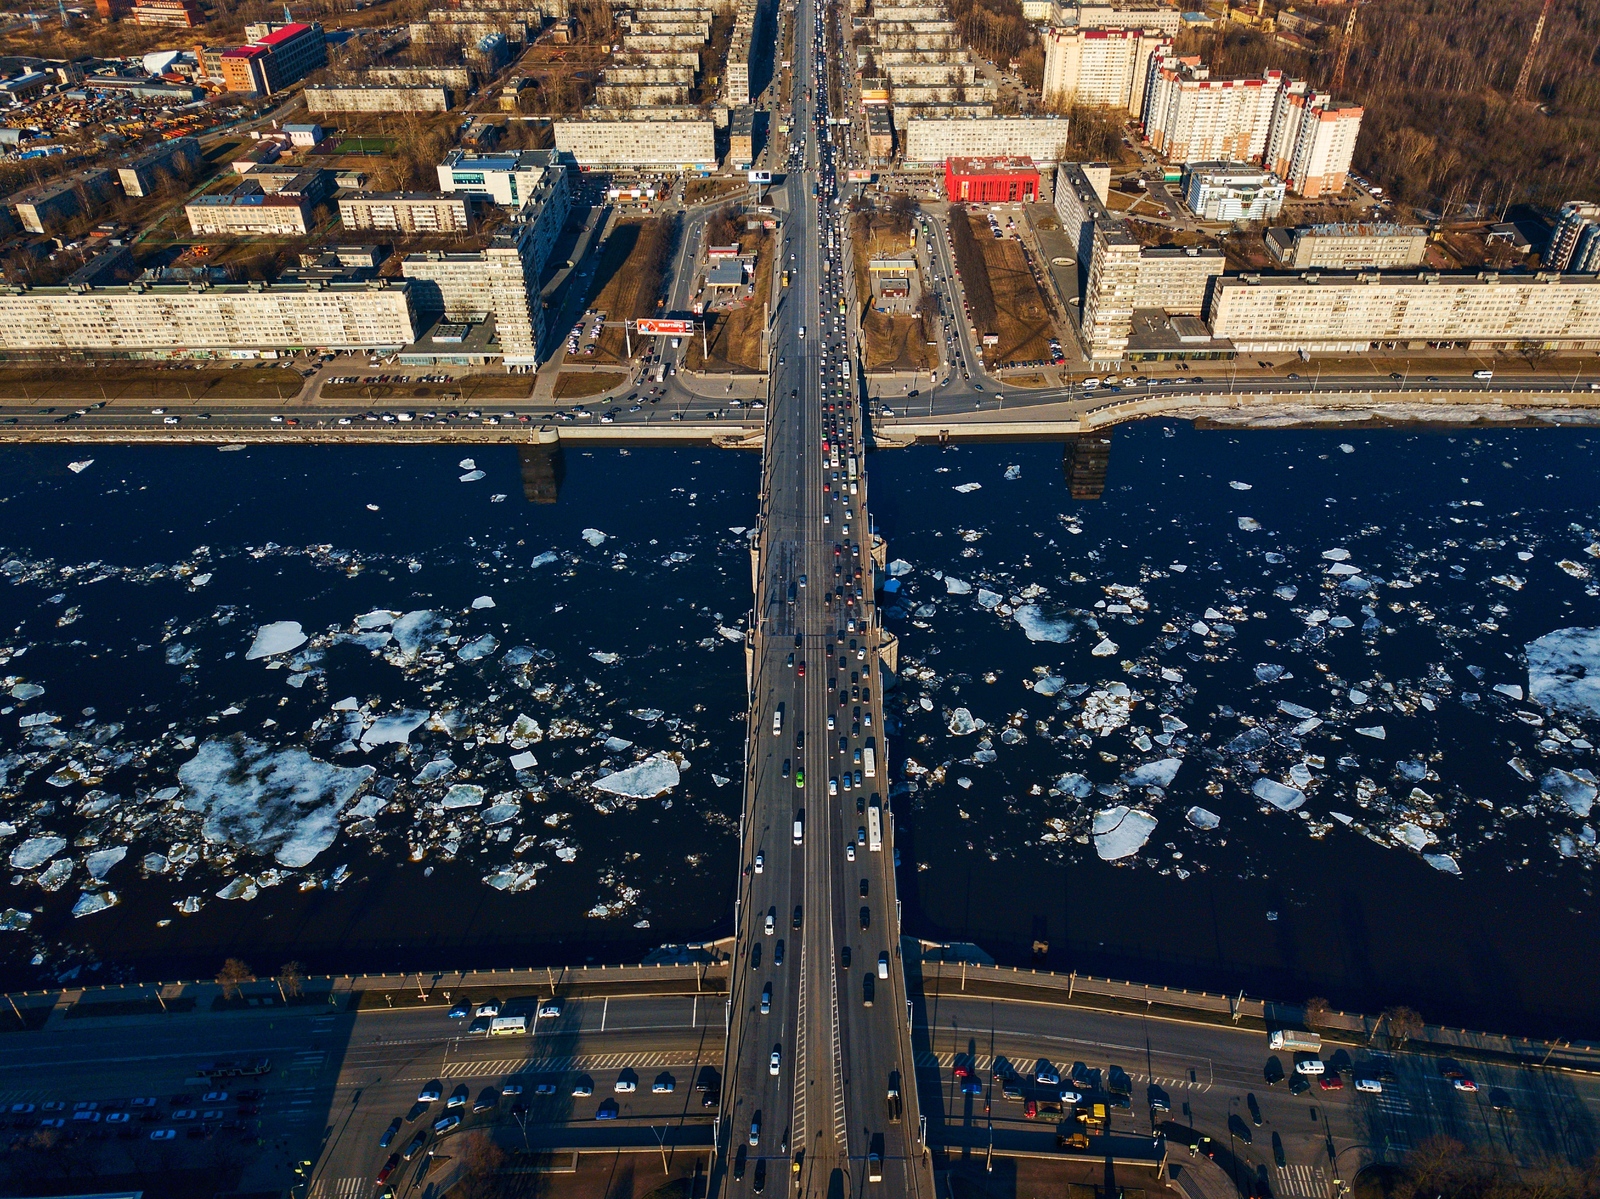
{"x":284,"y":55}
{"x":991,"y":180}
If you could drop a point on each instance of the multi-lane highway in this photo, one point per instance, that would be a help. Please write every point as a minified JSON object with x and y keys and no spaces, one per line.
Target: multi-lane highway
{"x":819,"y":1097}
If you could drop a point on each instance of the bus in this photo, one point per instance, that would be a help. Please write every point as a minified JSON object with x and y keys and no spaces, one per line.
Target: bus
{"x":875,"y":828}
{"x":870,"y":755}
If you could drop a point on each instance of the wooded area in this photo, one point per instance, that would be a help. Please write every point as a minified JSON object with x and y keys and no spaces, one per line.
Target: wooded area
{"x":1436,"y":80}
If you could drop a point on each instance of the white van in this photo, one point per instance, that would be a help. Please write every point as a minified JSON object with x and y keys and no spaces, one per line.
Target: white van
{"x":799,"y":827}
{"x":1310,"y":1065}
{"x":777,"y":720}
{"x":1091,"y":384}
{"x":1485,"y":376}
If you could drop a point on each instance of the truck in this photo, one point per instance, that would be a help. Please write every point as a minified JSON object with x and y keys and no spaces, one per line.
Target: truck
{"x":869,"y":754}
{"x":851,"y":468}
{"x":661,"y":371}
{"x":785,"y":279}
{"x":508,"y":1026}
{"x":875,"y":828}
{"x":1290,"y":1038}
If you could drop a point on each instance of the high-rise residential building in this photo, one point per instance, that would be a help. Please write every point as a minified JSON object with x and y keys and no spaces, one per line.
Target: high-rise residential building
{"x":277,"y":56}
{"x":1323,"y":148}
{"x":1100,"y":67}
{"x":1575,"y":244}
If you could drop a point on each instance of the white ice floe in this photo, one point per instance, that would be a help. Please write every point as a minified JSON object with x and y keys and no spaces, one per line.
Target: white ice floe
{"x":395,"y":728}
{"x":1510,"y":690}
{"x":26,"y":691}
{"x":501,"y":813}
{"x":654,"y":776}
{"x":594,"y":537}
{"x":1013,"y":472}
{"x":378,"y":618}
{"x":1564,"y":671}
{"x":1121,"y":831}
{"x":78,"y":468}
{"x":279,"y":637}
{"x":91,"y":902}
{"x":1048,"y":684}
{"x":1575,"y":788}
{"x":1154,"y":774}
{"x":616,"y":745}
{"x":734,"y":635}
{"x":523,"y":761}
{"x":1039,"y":627}
{"x":1376,"y":731}
{"x":964,"y":488}
{"x":13,"y":921}
{"x":899,"y":568}
{"x":1105,"y":649}
{"x":462,"y":795}
{"x":100,"y":862}
{"x":1201,"y":818}
{"x":1343,"y":570}
{"x":1337,"y":555}
{"x":483,"y":601}
{"x":988,"y":599}
{"x":417,"y":630}
{"x":1296,"y":710}
{"x":478,"y":647}
{"x":36,"y":851}
{"x":1443,"y":862}
{"x":1278,"y":795}
{"x":963,"y":722}
{"x":1238,"y":486}
{"x":955,"y":586}
{"x":1249,"y":524}
{"x":1074,"y":785}
{"x":472,"y":476}
{"x":467,"y":464}
{"x":605,"y":657}
{"x":545,"y":559}
{"x":281,"y":802}
{"x":1413,"y":835}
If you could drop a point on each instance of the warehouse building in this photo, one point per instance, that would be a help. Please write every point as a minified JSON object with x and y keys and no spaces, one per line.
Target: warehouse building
{"x":991,"y":180}
{"x":1348,"y":246}
{"x":406,"y":212}
{"x":142,"y":319}
{"x":1320,"y":312}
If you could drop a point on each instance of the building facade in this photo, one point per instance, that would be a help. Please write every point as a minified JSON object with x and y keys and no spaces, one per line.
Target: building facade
{"x":249,"y":210}
{"x":1100,"y":67}
{"x":1348,"y":247}
{"x":1575,"y":244}
{"x":1357,"y":312}
{"x":171,"y":160}
{"x":675,"y":144}
{"x":51,"y":208}
{"x":175,"y":14}
{"x":143,"y":318}
{"x":932,"y":140}
{"x":1232,"y":191}
{"x":405,"y":212}
{"x":276,"y":58}
{"x":991,"y":180}
{"x":1137,"y":15}
{"x":386,"y":98}
{"x":511,"y":180}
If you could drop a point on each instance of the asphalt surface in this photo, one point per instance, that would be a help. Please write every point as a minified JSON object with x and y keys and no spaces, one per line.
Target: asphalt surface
{"x":807,"y":1106}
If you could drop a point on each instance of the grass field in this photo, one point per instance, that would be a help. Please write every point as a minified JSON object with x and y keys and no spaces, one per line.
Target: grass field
{"x":1021,"y":317}
{"x":365,"y":145}
{"x":65,"y":381}
{"x":573,"y":385}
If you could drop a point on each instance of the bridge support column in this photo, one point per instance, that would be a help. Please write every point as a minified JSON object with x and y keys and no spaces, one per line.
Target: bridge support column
{"x":544,"y":466}
{"x":1084,"y":460}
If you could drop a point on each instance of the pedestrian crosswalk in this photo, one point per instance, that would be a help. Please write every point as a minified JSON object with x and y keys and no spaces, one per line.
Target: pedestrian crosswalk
{"x":337,"y":1188}
{"x":1302,"y":1182}
{"x":1023,"y":1064}
{"x":489,"y":1067}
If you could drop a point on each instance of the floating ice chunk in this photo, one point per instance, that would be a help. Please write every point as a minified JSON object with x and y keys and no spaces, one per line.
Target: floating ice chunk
{"x":501,"y":813}
{"x":1413,"y":835}
{"x":472,"y":476}
{"x":1278,"y":795}
{"x":1200,"y":629}
{"x":279,"y":637}
{"x":654,"y":776}
{"x":1341,"y":622}
{"x":280,"y":802}
{"x":955,"y":586}
{"x":964,"y":488}
{"x":26,"y":691}
{"x":1376,"y":731}
{"x":899,"y":568}
{"x":395,"y":728}
{"x":1013,"y":472}
{"x":100,"y":862}
{"x":1512,"y":582}
{"x":467,"y":464}
{"x":1248,"y":524}
{"x":1201,"y":818}
{"x":244,"y":887}
{"x":1039,"y":627}
{"x":1512,"y":690}
{"x":1269,"y":672}
{"x":594,"y":537}
{"x":523,"y":761}
{"x":1337,"y":555}
{"x":648,"y":715}
{"x":36,"y":851}
{"x":1238,"y":486}
{"x":1576,"y":788}
{"x":616,"y":745}
{"x":478,"y":647}
{"x":1346,"y":447}
{"x":37,"y":720}
{"x":1154,"y":774}
{"x":1564,"y":671}
{"x":1048,"y":684}
{"x":415,"y":631}
{"x":1357,"y":697}
{"x":1169,"y":675}
{"x":734,"y":635}
{"x":988,"y":599}
{"x":963,"y":722}
{"x":1287,"y":592}
{"x":605,"y":657}
{"x":1443,"y":862}
{"x":78,"y":468}
{"x":462,"y":795}
{"x":13,"y":921}
{"x":1105,"y":649}
{"x":91,"y":902}
{"x":1343,"y":570}
{"x":513,"y":879}
{"x":483,"y":601}
{"x":1295,"y":710}
{"x":434,"y":771}
{"x":1121,"y":831}
{"x":545,"y":559}
{"x":719,"y":780}
{"x":378,"y":618}
{"x":1074,"y":785}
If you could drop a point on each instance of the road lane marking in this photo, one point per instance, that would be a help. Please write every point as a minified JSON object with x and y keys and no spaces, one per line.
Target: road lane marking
{"x":1303,"y":1182}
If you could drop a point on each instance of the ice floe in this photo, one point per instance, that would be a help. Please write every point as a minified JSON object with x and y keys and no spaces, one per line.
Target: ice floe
{"x":1564,"y":671}
{"x":1279,"y":795}
{"x":1121,"y":831}
{"x":654,"y":776}
{"x":276,"y":638}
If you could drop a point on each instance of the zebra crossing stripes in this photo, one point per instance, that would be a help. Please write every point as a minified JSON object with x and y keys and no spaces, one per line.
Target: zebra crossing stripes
{"x":479,"y":1068}
{"x":1303,"y":1182}
{"x":337,"y":1188}
{"x":927,"y":1060}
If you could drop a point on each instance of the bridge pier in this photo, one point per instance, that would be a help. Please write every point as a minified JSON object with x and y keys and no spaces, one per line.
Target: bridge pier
{"x":544,"y":466}
{"x":1084,"y":461}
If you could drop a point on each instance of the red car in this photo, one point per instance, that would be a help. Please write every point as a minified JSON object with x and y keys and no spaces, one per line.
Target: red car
{"x":1331,"y":1082}
{"x":388,"y":1167}
{"x":1030,"y":1110}
{"x":960,"y":1071}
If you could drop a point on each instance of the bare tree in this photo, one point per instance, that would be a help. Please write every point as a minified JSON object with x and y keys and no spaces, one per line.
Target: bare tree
{"x":1316,"y":1009}
{"x":233,"y":974}
{"x":291,"y":980}
{"x":1401,"y":1023}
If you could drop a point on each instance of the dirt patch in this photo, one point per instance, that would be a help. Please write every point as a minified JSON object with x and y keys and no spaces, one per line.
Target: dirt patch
{"x":701,"y":191}
{"x":896,"y":343}
{"x":1030,"y":380}
{"x":628,"y":279}
{"x":1022,"y":319}
{"x":110,"y":382}
{"x":572,"y":385}
{"x":733,"y":339}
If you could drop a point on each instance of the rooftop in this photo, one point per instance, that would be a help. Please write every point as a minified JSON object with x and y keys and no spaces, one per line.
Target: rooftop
{"x":998,"y":165}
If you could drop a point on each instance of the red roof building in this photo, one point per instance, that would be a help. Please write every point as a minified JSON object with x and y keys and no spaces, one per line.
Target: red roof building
{"x":991,"y":180}
{"x":271,"y":63}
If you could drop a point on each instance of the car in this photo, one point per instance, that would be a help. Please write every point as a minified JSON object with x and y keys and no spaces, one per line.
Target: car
{"x":850,"y":852}
{"x":446,"y":1124}
{"x":550,"y":1009}
{"x":214,"y":1097}
{"x":1331,"y":1082}
{"x":583,"y":1087}
{"x":1499,"y":1100}
{"x":164,"y":1134}
{"x":608,"y":1110}
{"x":844,"y":957}
{"x":414,"y":1145}
{"x":461,"y":1011}
{"x":490,"y":1009}
{"x":389,"y":1134}
{"x":1464,"y":1083}
{"x":866,"y":918}
{"x":185,"y":1113}
{"x":1255,"y":1109}
{"x":883,"y":964}
{"x":431,"y":1092}
{"x":761,"y":860}
{"x":775,"y":1062}
{"x":1309,"y":1064}
{"x":487,"y":1098}
{"x":1299,"y":1085}
{"x":539,"y":1088}
{"x":1046,"y":1075}
{"x":755,"y":1130}
{"x":1368,"y":1085}
{"x":625,"y":1086}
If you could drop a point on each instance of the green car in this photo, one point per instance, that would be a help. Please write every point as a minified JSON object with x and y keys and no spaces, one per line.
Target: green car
{"x":800,"y":780}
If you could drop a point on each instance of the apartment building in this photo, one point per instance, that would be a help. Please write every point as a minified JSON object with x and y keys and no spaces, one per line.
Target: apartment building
{"x":512,"y":179}
{"x":405,"y":212}
{"x":675,"y":143}
{"x":1101,"y":67}
{"x":174,"y":14}
{"x":378,"y":98}
{"x":1138,"y":14}
{"x":1232,"y":191}
{"x":1319,"y":312}
{"x":1348,"y":246}
{"x":1575,"y":244}
{"x":277,"y":56}
{"x":932,"y":140}
{"x":171,"y":160}
{"x":1325,"y":144}
{"x":140,"y":318}
{"x":742,"y":137}
{"x":249,"y":210}
{"x":53,"y":206}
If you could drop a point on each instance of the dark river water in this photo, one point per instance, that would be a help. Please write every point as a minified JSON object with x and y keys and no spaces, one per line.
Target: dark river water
{"x":1260,"y":717}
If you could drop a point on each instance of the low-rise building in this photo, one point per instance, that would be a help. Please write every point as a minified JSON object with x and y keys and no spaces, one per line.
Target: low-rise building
{"x":1232,"y":191}
{"x":1325,"y":312}
{"x":53,"y":206}
{"x":170,"y":161}
{"x":175,"y":14}
{"x":141,"y":319}
{"x":249,"y":210}
{"x":991,"y":180}
{"x":303,"y":135}
{"x":511,"y":179}
{"x":742,"y":137}
{"x":880,"y":133}
{"x":1348,"y":246}
{"x":406,"y":212}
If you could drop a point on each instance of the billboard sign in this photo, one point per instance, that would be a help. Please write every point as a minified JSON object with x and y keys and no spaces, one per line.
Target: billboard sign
{"x":760,"y":176}
{"x":859,"y":176}
{"x":665,"y":328}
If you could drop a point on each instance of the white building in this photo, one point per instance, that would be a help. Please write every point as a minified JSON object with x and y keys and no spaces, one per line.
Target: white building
{"x":1575,"y":244}
{"x":510,"y":180}
{"x":935,"y":139}
{"x":1232,"y":191}
{"x":682,"y":144}
{"x":1136,"y":14}
{"x":144,"y":318}
{"x":1348,"y":246}
{"x":1100,"y":67}
{"x":405,"y":212}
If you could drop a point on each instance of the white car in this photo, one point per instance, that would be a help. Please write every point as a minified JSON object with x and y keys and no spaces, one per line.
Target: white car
{"x":1369,"y":1086}
{"x":214,"y":1097}
{"x":582,"y":1089}
{"x":775,"y":1063}
{"x":625,"y":1086}
{"x":761,"y":860}
{"x":550,"y":1009}
{"x":850,"y":851}
{"x":663,"y":1086}
{"x":492,"y":1008}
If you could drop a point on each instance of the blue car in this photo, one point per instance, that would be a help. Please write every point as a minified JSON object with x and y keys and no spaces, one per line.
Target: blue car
{"x":461,"y":1011}
{"x":971,"y":1086}
{"x":608,"y":1110}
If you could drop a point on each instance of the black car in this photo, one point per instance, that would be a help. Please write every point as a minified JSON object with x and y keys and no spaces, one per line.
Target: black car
{"x":866,"y":918}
